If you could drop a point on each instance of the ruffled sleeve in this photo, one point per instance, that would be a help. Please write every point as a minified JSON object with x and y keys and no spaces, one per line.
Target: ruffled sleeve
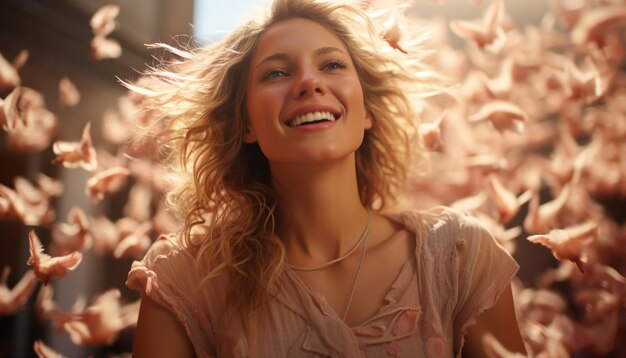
{"x":486,"y":269}
{"x":168,"y":276}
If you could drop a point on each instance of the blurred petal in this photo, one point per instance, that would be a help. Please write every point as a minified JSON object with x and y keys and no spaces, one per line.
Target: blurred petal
{"x":43,"y":351}
{"x":11,"y":300}
{"x":68,"y":93}
{"x":103,"y":48}
{"x":103,"y":21}
{"x":105,"y":181}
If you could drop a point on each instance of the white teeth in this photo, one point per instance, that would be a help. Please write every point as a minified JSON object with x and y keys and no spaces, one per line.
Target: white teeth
{"x":311,"y":117}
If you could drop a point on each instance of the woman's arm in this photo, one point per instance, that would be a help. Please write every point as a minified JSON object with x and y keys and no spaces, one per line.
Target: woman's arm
{"x":501,"y":322}
{"x":159,"y":334}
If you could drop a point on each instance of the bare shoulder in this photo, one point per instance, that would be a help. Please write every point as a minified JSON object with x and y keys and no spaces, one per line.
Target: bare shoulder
{"x":159,"y":334}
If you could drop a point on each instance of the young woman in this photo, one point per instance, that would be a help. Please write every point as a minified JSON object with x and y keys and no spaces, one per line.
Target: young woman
{"x":292,"y":135}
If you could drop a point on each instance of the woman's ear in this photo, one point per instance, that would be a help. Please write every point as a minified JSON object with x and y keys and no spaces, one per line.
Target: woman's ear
{"x":369,"y":121}
{"x":249,"y":136}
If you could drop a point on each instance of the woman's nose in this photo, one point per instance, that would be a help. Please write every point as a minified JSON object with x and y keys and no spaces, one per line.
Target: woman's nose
{"x":308,"y":84}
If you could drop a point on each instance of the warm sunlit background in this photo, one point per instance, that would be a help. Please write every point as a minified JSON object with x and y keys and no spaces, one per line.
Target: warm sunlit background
{"x":57,"y":35}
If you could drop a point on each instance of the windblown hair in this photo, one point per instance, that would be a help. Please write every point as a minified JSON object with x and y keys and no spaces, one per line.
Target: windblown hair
{"x":225,"y":194}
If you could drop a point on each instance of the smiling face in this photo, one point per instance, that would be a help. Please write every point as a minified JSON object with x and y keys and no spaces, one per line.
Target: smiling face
{"x":304,"y":99}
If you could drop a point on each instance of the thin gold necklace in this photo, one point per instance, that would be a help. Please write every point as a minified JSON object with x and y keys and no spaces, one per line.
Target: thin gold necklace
{"x":356,"y":279}
{"x":340,"y":258}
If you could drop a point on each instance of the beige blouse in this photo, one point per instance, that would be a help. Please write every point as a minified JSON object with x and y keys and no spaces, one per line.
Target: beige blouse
{"x":458,"y":272}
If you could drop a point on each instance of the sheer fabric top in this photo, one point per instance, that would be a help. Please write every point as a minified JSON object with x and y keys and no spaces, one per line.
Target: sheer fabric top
{"x":457,"y":272}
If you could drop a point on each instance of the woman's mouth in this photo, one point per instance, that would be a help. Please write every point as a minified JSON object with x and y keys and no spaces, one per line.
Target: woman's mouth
{"x":312,"y":118}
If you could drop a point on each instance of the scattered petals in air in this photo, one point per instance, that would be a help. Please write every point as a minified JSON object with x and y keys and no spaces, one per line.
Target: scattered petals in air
{"x":72,"y":236}
{"x":75,"y":154}
{"x":431,"y":134}
{"x":104,"y":48}
{"x":47,"y":267}
{"x":100,"y":323}
{"x":485,"y":32}
{"x":559,"y":79}
{"x":69,"y":96}
{"x":9,"y":78}
{"x":103,"y":21}
{"x":134,"y":240}
{"x":594,"y":24}
{"x":30,"y":124}
{"x":50,"y":187}
{"x":569,"y":11}
{"x":542,"y":218}
{"x":108,"y":180}
{"x":26,"y":203}
{"x":43,"y":351}
{"x":13,"y":299}
{"x":105,"y":234}
{"x":114,"y":129}
{"x":502,"y":115}
{"x":569,"y":243}
{"x":45,"y":307}
{"x":393,"y":34}
{"x":9,"y":115}
{"x":506,"y":202}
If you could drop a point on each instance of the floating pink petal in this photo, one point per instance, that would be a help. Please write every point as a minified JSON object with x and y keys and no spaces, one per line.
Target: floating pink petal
{"x":30,"y":208}
{"x":105,"y":181}
{"x":45,"y":307}
{"x":69,"y":96}
{"x":100,"y":323}
{"x":568,"y":244}
{"x":393,"y":34}
{"x":103,"y":21}
{"x":30,"y":124}
{"x":134,"y":240}
{"x":9,"y":77}
{"x":506,"y":202}
{"x":541,"y":218}
{"x":486,"y":31}
{"x":50,"y":187}
{"x":502,"y":115}
{"x":104,"y":48}
{"x":47,"y":267}
{"x":11,"y":300}
{"x":43,"y":351}
{"x":595,"y":24}
{"x":431,"y":134}
{"x":75,"y":154}
{"x":114,"y":129}
{"x":105,"y":234}
{"x":27,"y":191}
{"x":72,"y":236}
{"x":9,"y":116}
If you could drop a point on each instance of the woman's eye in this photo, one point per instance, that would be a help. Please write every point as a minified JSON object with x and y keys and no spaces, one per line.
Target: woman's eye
{"x":334,"y":65}
{"x":274,"y":74}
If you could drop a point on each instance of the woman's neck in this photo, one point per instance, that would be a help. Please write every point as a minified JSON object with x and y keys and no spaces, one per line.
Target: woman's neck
{"x":321,"y":211}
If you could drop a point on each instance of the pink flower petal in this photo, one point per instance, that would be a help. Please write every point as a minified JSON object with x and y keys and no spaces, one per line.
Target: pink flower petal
{"x":103,"y":21}
{"x":47,"y":267}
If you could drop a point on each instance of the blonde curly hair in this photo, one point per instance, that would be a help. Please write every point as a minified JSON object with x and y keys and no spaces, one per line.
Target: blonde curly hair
{"x":224,"y":194}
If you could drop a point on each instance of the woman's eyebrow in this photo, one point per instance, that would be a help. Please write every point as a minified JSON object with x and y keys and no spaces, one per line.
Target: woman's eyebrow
{"x":327,"y":49}
{"x":284,"y":56}
{"x":276,"y":56}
